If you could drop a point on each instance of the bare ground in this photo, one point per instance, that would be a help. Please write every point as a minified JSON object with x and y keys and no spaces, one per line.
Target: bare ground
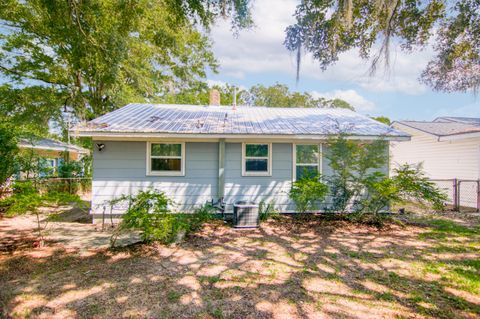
{"x":429,"y":268}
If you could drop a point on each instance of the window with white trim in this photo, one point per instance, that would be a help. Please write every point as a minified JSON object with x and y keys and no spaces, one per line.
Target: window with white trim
{"x":306,"y":160}
{"x":256,"y":159}
{"x":165,"y":159}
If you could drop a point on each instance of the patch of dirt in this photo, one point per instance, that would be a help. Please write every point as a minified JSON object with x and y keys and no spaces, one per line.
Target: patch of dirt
{"x":285,"y":269}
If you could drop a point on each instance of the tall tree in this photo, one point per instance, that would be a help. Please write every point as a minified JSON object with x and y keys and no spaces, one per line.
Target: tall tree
{"x":328,"y":28}
{"x":91,"y":56}
{"x":277,"y":95}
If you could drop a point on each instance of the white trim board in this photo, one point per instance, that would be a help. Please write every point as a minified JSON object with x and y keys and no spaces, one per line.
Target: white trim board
{"x":149,"y":172}
{"x":139,"y":136}
{"x":294,"y":158}
{"x":269,"y":160}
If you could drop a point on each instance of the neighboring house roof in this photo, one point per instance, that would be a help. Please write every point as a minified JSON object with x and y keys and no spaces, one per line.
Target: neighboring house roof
{"x":466,"y":120}
{"x":447,"y":128}
{"x":51,"y":145}
{"x":221,"y":121}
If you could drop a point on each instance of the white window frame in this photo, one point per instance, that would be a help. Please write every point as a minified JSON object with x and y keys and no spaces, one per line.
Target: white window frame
{"x":165,"y":173}
{"x":320,"y":155}
{"x":268,"y":158}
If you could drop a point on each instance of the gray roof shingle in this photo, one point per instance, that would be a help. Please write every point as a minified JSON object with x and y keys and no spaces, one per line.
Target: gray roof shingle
{"x":207,"y":120}
{"x":443,"y":128}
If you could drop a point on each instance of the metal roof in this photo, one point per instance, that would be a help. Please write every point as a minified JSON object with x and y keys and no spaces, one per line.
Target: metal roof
{"x":196,"y":120}
{"x":445,"y":128}
{"x":51,"y":145}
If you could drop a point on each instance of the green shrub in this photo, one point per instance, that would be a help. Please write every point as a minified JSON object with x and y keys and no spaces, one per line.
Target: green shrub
{"x":414,"y":185}
{"x":8,"y":152}
{"x":267,"y":211}
{"x":307,"y":192}
{"x":148,"y":211}
{"x":26,"y":200}
{"x":24,"y":188}
{"x":354,"y":164}
{"x":357,"y":181}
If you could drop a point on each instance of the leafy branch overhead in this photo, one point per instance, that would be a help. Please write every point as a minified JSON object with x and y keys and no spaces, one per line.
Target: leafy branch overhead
{"x":92,"y":56}
{"x":328,"y":28}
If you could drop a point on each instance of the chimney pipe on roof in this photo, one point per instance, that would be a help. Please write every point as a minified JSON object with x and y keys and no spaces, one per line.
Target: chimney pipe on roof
{"x":214,"y":97}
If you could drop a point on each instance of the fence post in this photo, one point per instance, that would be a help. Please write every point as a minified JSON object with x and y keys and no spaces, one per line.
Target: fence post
{"x":478,"y":195}
{"x":456,"y":199}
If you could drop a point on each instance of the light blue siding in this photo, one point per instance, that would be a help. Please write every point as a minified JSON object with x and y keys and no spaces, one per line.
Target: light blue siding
{"x":273,"y":188}
{"x":121,"y":169}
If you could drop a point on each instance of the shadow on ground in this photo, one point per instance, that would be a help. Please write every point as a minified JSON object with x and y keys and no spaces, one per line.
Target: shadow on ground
{"x":285,"y":269}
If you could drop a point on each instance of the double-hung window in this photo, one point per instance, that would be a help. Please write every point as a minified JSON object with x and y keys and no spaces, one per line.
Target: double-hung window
{"x":166,"y":159}
{"x":307,"y":160}
{"x":256,"y":159}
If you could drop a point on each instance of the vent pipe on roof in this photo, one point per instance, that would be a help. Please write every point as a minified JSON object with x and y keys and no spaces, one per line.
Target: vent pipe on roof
{"x":214,"y":97}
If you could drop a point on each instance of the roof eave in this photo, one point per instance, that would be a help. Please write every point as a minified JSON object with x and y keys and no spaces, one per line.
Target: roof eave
{"x":193,"y":136}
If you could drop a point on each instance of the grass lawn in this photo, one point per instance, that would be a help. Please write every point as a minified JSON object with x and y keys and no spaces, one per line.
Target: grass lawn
{"x":429,"y":268}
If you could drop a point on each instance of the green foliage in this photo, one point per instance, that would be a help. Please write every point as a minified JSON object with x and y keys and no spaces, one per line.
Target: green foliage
{"x":358,"y":186}
{"x":70,"y":169}
{"x":327,"y":29}
{"x":92,"y":56}
{"x":24,"y":188}
{"x":354,"y":165}
{"x":307,"y":192}
{"x":277,"y":95}
{"x":32,"y":165}
{"x":382,"y":119}
{"x":26,"y":199}
{"x":414,"y":185}
{"x":267,"y":211}
{"x":148,"y":211}
{"x":338,"y":104}
{"x":8,"y":152}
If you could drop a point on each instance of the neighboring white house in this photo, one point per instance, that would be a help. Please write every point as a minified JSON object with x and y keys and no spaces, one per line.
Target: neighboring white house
{"x":198,"y":153}
{"x":448,"y":148}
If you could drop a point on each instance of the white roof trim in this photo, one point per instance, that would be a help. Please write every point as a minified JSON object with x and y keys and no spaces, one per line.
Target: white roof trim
{"x":98,"y":135}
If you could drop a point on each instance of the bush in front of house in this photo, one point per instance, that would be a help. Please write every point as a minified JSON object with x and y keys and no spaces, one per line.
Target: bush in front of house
{"x":307,"y":192}
{"x":148,"y":212}
{"x":414,"y":185}
{"x":357,"y":185}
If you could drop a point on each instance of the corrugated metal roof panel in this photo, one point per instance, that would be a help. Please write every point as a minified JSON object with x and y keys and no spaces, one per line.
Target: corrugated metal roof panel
{"x":195,"y":119}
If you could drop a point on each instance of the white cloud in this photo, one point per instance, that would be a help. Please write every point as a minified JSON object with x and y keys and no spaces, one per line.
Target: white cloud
{"x":261,"y":50}
{"x":360,"y":103}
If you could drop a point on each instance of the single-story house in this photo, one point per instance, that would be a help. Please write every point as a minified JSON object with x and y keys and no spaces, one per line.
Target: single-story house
{"x":198,"y":153}
{"x":447,"y":147}
{"x":52,"y":150}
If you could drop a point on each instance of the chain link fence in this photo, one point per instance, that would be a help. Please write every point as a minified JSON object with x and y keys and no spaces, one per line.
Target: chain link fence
{"x":463,"y":194}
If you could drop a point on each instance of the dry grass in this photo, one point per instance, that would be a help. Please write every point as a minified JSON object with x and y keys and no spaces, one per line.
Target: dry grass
{"x":285,"y":269}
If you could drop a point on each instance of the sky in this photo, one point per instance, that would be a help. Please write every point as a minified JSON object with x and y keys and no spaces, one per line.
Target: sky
{"x":257,"y":56}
